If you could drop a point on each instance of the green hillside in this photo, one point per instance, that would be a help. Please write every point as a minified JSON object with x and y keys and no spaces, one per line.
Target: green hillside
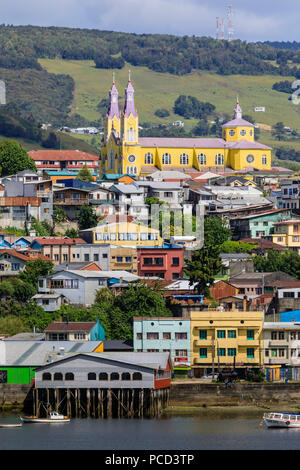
{"x":156,"y":90}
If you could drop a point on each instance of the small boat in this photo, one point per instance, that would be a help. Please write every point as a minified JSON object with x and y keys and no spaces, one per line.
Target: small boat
{"x":282,"y":420}
{"x":11,"y":425}
{"x":53,"y":417}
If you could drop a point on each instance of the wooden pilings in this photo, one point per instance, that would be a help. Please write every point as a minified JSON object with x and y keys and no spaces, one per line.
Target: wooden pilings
{"x":101,"y":403}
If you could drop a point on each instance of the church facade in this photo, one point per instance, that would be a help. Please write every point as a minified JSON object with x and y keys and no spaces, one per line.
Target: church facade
{"x":123,"y":151}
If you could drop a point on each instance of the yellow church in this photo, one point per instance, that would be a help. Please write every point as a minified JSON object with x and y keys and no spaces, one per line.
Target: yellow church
{"x":123,"y":151}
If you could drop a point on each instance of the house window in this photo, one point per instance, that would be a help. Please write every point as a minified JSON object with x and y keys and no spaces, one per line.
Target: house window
{"x":147,"y":261}
{"x":221,"y":334}
{"x":114,"y":376}
{"x":250,"y":334}
{"x":166,"y":159}
{"x":203,"y":334}
{"x":180,"y":335}
{"x":45,"y":376}
{"x":203,"y":352}
{"x":119,"y":259}
{"x":175,"y":261}
{"x":158,"y":261}
{"x":91,"y":376}
{"x":69,"y":376}
{"x":166,"y":335}
{"x":274,"y":335}
{"x":58,"y":376}
{"x":139,"y":336}
{"x":231,"y":351}
{"x":250,"y":353}
{"x":128,"y":259}
{"x":148,"y":159}
{"x":86,"y":257}
{"x":221,"y":352}
{"x":264,"y":160}
{"x":219,"y":159}
{"x":137,"y":376}
{"x":103,"y":376}
{"x":96,"y":257}
{"x":231,"y":334}
{"x":281,"y":353}
{"x":184,"y":159}
{"x":152,"y":335}
{"x":180,"y":352}
{"x":202,"y":159}
{"x":125,"y":376}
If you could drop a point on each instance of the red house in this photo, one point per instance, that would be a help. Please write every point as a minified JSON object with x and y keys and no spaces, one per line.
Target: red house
{"x":166,"y":263}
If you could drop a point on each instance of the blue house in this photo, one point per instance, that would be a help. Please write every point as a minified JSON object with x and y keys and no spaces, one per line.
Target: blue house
{"x":165,"y":334}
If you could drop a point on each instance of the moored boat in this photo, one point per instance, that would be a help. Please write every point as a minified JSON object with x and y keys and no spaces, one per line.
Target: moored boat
{"x":53,"y":417}
{"x":282,"y":420}
{"x":11,"y":425}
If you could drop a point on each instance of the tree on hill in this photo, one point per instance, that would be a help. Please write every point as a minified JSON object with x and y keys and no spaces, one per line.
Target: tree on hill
{"x":13,"y":158}
{"x":287,"y":261}
{"x":57,"y":217}
{"x":203,"y":267}
{"x":278,"y":131}
{"x":216,"y":231}
{"x":84,"y":174}
{"x":86,"y":217}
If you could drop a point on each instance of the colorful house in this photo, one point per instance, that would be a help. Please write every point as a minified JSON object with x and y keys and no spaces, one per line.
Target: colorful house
{"x":123,"y":234}
{"x":162,"y":334}
{"x":123,"y":151}
{"x":258,"y":225}
{"x":163,"y":262}
{"x":225,"y":340}
{"x":287,"y":233}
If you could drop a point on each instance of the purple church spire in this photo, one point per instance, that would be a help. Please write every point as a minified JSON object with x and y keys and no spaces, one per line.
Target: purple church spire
{"x":113,"y":109}
{"x":129,"y":100}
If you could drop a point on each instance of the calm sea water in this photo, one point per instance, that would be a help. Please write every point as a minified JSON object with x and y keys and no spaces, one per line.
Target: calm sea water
{"x":170,"y":433}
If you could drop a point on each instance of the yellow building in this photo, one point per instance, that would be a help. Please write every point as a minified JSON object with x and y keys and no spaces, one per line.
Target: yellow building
{"x":123,"y":259}
{"x":123,"y":234}
{"x":226,"y":339}
{"x":287,"y":233}
{"x":123,"y":151}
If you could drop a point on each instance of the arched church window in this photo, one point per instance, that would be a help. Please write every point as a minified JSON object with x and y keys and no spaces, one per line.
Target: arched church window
{"x":166,"y":159}
{"x":184,"y":159}
{"x":111,"y":162}
{"x":264,"y":159}
{"x":219,"y":159}
{"x":131,"y":135}
{"x":148,"y":159}
{"x":202,"y":159}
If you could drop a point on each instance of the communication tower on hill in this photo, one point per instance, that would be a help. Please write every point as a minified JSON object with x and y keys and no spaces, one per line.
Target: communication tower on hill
{"x":230,"y":23}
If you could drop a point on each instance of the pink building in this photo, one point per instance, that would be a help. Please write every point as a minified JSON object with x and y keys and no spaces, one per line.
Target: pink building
{"x":166,"y":263}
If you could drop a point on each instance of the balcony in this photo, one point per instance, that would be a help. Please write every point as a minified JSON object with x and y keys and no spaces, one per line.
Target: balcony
{"x":279,"y":343}
{"x":249,"y":343}
{"x":203,"y":343}
{"x":70,"y":202}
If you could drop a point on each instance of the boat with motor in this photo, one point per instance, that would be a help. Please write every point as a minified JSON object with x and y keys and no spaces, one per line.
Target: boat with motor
{"x":282,"y":420}
{"x":52,"y":417}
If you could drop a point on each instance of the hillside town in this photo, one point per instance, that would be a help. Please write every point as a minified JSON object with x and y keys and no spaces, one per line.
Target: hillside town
{"x":110,"y":302}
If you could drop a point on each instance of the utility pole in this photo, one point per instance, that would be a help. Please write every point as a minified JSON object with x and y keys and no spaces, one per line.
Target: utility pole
{"x":213,"y":351}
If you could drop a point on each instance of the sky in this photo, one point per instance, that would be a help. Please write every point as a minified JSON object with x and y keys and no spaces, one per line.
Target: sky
{"x":255,"y":20}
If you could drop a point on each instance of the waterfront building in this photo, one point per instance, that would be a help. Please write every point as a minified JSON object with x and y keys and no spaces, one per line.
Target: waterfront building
{"x":19,"y":358}
{"x":222,"y":339}
{"x":124,"y":151}
{"x":161,"y":334}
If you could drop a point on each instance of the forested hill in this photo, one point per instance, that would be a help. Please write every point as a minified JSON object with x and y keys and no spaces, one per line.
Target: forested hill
{"x":21,"y":46}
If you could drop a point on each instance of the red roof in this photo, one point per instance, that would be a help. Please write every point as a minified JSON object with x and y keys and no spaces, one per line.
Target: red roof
{"x":15,"y":253}
{"x":59,"y":241}
{"x":61,"y":155}
{"x":70,"y":326}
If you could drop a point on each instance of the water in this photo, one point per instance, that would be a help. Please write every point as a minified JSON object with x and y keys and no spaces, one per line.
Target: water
{"x":220,"y":431}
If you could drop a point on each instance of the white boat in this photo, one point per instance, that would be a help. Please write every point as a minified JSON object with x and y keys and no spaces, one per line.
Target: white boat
{"x":282,"y":420}
{"x":53,"y":417}
{"x":11,"y":425}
